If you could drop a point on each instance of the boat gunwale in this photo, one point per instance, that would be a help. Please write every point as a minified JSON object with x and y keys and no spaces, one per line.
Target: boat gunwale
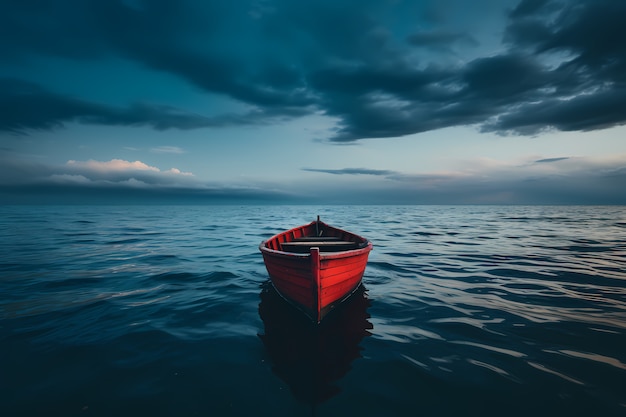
{"x":323,"y":255}
{"x":366,"y":244}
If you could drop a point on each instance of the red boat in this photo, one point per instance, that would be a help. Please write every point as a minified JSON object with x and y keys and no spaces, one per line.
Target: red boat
{"x":315,"y":266}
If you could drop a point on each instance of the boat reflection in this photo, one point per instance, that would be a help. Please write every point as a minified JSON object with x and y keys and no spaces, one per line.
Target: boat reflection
{"x":310,"y":357}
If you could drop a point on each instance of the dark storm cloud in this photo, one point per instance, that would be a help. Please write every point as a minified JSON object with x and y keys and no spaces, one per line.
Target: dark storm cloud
{"x":161,"y":36}
{"x":585,"y":112}
{"x":25,"y":106}
{"x":587,"y":90}
{"x":555,"y":75}
{"x":196,"y":42}
{"x":440,"y":40}
{"x":562,"y":65}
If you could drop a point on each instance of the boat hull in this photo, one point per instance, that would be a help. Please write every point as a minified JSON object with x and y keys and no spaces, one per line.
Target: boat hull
{"x":316,"y":279}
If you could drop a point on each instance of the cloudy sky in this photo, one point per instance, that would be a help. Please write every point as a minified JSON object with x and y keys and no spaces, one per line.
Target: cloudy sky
{"x":313,"y":101}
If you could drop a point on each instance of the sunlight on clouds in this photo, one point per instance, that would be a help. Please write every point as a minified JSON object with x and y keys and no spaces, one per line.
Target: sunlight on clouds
{"x":112,"y":165}
{"x":179,"y":172}
{"x":120,"y":165}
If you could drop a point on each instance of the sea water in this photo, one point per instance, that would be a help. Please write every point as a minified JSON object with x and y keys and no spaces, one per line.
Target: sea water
{"x":167,"y":311}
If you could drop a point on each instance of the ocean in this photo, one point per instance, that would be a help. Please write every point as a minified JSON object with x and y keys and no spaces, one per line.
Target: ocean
{"x":167,"y":311}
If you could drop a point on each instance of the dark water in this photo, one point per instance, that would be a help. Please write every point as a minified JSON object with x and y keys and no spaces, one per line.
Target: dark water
{"x":166,"y":311}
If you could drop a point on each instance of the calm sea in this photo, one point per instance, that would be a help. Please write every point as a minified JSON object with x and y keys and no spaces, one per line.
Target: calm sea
{"x":167,"y":311}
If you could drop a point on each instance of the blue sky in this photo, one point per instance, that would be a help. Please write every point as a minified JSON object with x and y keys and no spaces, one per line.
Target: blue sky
{"x":320,"y":101}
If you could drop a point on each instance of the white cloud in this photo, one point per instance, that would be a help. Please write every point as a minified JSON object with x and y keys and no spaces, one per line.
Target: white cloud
{"x":177,"y":171}
{"x":120,"y":166}
{"x":168,"y":149}
{"x":112,"y":165}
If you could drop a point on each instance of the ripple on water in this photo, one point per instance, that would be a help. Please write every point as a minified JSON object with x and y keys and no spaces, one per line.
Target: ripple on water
{"x":523,"y":306}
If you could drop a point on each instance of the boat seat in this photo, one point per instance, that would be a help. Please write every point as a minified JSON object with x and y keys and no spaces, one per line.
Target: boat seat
{"x":305,"y":246}
{"x":316,"y":239}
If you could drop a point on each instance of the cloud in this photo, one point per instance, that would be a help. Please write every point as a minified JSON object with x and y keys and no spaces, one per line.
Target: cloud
{"x":69,"y":179}
{"x":118,"y":181}
{"x":116,"y":165}
{"x":528,"y":7}
{"x":177,"y":171}
{"x":168,"y":149}
{"x":534,"y":180}
{"x":548,"y":160}
{"x":27,"y":106}
{"x":115,"y":171}
{"x":120,"y":171}
{"x":440,"y":40}
{"x":561,"y":180}
{"x":559,"y":66}
{"x":351,"y":171}
{"x":423,"y":180}
{"x":586,"y":111}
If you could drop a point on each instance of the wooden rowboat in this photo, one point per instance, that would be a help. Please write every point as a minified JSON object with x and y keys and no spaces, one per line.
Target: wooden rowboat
{"x":315,"y":266}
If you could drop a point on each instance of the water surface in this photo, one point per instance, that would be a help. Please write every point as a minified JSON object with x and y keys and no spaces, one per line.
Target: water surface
{"x":158,"y":310}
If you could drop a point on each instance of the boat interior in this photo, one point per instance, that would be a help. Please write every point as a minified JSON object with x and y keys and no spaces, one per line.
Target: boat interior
{"x":325,"y":243}
{"x":315,"y":234}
